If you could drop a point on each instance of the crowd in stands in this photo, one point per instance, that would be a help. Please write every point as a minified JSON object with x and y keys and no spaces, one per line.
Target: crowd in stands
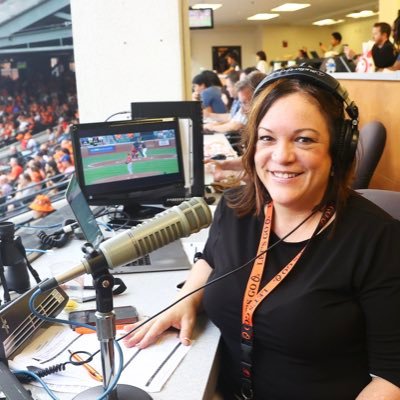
{"x":30,"y":109}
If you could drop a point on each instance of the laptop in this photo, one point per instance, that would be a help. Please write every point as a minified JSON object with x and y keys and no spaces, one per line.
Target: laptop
{"x":171,"y":257}
{"x":314,"y":54}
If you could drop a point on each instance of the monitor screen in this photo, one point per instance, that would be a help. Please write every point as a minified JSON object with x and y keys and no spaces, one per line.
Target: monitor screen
{"x":129,"y":162}
{"x":190,"y":116}
{"x":83,"y":213}
{"x":201,"y":18}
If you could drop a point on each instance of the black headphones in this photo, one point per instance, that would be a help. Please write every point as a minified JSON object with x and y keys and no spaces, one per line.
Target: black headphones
{"x":345,"y":145}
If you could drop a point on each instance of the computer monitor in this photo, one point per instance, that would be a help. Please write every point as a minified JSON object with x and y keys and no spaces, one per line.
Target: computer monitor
{"x":190,"y":117}
{"x":201,"y":18}
{"x":129,"y":163}
{"x":342,"y":64}
{"x":83,"y":213}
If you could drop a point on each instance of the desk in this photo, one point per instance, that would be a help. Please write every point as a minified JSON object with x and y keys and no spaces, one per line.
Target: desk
{"x":195,"y":376}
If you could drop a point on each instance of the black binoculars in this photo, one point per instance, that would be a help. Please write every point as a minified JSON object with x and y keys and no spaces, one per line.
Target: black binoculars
{"x":13,"y":259}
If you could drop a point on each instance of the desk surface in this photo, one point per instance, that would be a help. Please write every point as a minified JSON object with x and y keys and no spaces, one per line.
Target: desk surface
{"x":149,"y":292}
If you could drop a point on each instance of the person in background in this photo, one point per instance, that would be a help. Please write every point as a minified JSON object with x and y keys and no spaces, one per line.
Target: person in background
{"x":232,"y":169}
{"x":383,"y":51}
{"x":336,"y":46}
{"x":302,"y":56}
{"x":210,"y":95}
{"x":245,"y":72}
{"x":262,"y":64}
{"x":396,"y":39}
{"x":233,"y":63}
{"x":231,"y":81}
{"x":309,"y":270}
{"x":5,"y":186}
{"x":25,"y":192}
{"x":245,"y":89}
{"x":214,"y":80}
{"x":51,"y":171}
{"x":16,"y":170}
{"x":67,"y":165}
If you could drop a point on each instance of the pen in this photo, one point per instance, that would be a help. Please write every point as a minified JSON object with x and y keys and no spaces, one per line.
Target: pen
{"x":92,"y":372}
{"x":83,"y":331}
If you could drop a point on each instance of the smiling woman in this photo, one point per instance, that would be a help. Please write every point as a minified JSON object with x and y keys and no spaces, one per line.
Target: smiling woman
{"x":308,"y":269}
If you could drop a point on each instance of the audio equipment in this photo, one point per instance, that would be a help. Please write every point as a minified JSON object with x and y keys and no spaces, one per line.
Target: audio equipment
{"x":177,"y":222}
{"x":17,"y":323}
{"x":346,"y":140}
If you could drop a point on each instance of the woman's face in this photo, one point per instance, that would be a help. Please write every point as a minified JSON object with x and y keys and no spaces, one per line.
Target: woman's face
{"x":198,"y":88}
{"x":292,"y":153}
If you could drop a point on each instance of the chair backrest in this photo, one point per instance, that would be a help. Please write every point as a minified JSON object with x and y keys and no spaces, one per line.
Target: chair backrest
{"x":385,"y":199}
{"x":369,"y":151}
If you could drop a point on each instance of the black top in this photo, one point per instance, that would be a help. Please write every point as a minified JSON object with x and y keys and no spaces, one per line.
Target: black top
{"x":330,"y":324}
{"x":384,"y":56}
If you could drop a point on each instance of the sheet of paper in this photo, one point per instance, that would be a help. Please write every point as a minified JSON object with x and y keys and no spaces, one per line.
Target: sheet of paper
{"x":148,"y":369}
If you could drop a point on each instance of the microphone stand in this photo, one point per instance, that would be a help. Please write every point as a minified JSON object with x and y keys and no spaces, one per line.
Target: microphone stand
{"x":103,"y":283}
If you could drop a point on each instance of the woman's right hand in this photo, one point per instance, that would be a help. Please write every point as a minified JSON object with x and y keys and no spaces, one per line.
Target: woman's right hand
{"x":182,"y":316}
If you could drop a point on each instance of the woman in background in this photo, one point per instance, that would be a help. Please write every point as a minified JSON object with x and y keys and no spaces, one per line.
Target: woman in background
{"x":262,"y":64}
{"x":209,"y":94}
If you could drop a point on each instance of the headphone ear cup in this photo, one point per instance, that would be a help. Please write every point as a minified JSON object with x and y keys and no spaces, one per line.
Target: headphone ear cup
{"x":346,"y":144}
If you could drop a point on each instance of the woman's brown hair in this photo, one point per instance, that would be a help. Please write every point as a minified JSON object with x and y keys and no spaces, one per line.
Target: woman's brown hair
{"x":253,"y":196}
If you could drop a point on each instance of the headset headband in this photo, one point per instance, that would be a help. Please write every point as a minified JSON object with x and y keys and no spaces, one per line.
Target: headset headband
{"x":316,"y":77}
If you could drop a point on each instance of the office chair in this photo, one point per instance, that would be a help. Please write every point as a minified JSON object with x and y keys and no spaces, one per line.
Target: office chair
{"x":369,"y":151}
{"x":386,"y":199}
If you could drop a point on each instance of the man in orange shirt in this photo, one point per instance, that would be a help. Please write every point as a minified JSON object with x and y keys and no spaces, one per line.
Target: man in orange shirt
{"x":16,"y":170}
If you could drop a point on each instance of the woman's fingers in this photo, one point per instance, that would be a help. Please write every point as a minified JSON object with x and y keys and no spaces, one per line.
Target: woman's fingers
{"x":149,"y":333}
{"x":152,"y":334}
{"x":186,"y":332}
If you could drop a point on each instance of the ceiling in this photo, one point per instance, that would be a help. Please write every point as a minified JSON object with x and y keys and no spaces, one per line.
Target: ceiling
{"x":234,"y":12}
{"x":45,"y":25}
{"x":35,"y":26}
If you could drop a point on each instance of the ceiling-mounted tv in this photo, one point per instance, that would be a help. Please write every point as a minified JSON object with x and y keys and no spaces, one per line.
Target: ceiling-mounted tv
{"x":201,"y":18}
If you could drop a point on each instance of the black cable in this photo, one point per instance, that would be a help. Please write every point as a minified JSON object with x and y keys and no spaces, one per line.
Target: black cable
{"x":128,"y":221}
{"x":59,"y":238}
{"x":42,"y":372}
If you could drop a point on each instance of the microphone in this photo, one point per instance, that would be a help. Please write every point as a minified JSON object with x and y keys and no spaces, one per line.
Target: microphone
{"x":177,"y":222}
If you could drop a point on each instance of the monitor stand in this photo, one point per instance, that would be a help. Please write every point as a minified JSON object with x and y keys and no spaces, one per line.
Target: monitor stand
{"x":136,"y":214}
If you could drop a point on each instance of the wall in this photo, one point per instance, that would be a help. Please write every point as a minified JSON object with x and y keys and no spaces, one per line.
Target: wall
{"x":202,"y":41}
{"x":297,"y":37}
{"x":388,"y":10}
{"x":120,"y":57}
{"x":269,"y":38}
{"x":357,"y":32}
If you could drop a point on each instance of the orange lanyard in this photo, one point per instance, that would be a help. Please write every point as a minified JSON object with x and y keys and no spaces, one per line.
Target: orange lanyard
{"x":253,"y":295}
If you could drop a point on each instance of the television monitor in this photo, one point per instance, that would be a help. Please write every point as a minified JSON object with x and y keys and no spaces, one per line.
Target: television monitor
{"x":129,"y":163}
{"x":190,"y":117}
{"x":201,"y":18}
